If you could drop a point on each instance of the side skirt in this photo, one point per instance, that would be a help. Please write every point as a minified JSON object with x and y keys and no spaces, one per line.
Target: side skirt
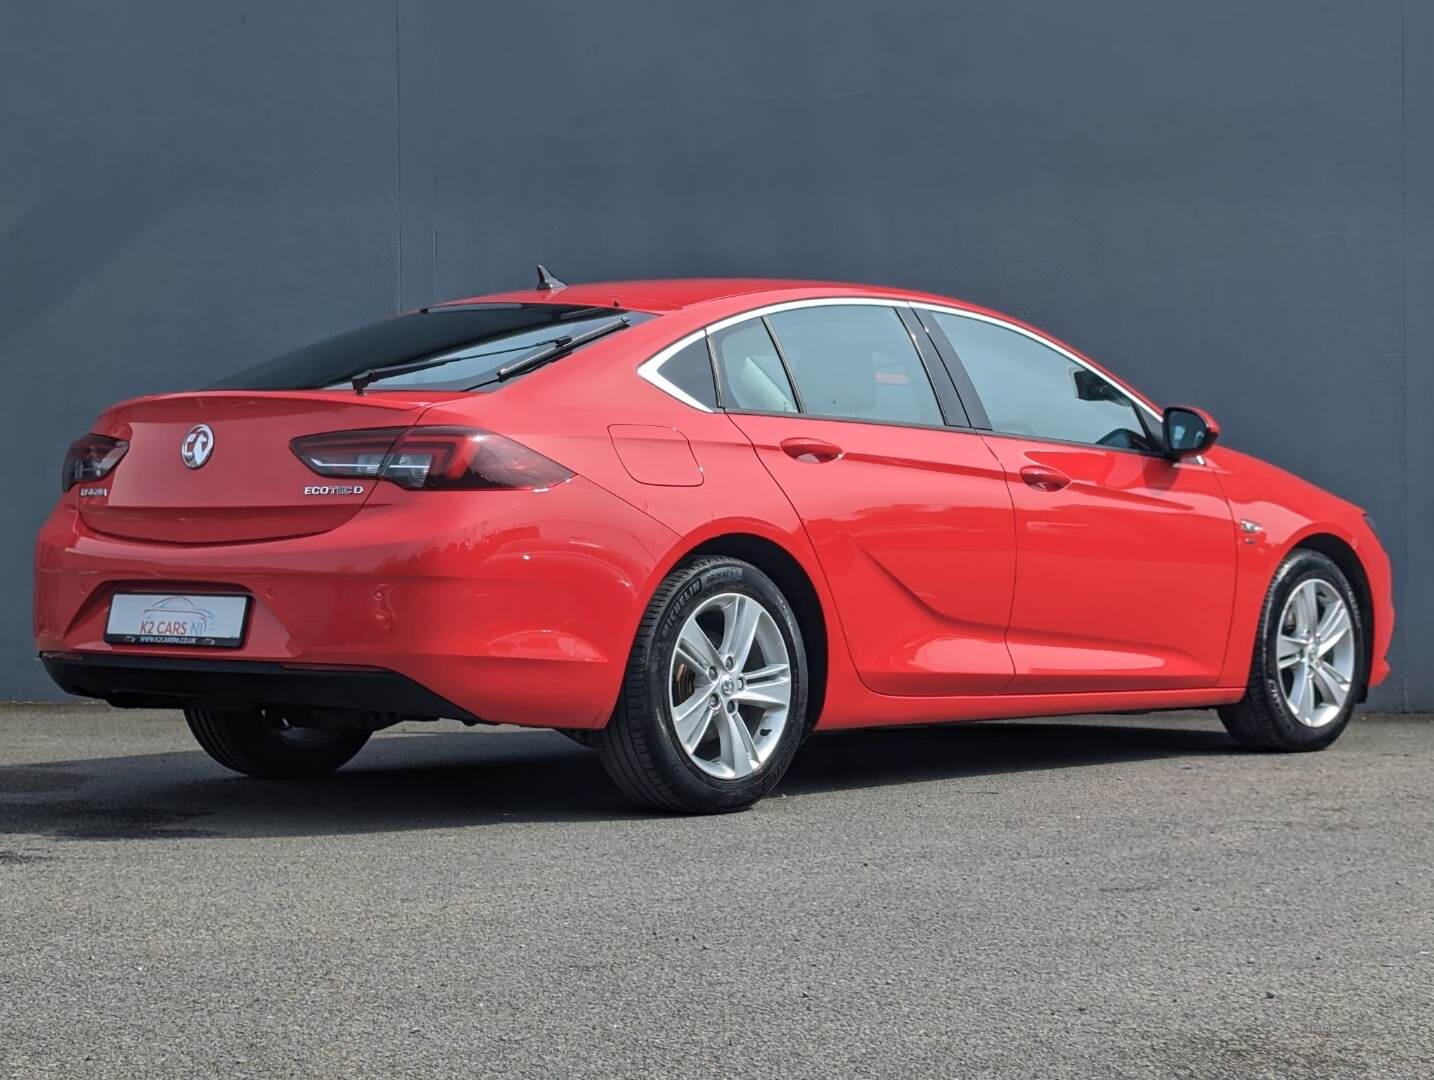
{"x":879,"y":710}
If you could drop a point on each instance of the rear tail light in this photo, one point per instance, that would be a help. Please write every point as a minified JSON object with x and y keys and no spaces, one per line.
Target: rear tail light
{"x":90,"y":458}
{"x":350,"y":454}
{"x":466,"y":458}
{"x":430,"y":459}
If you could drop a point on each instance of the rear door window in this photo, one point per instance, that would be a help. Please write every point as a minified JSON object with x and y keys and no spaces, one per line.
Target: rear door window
{"x":856,"y":362}
{"x":753,"y":378}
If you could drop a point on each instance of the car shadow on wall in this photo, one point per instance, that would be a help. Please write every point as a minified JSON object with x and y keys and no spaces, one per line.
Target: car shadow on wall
{"x":434,"y":779}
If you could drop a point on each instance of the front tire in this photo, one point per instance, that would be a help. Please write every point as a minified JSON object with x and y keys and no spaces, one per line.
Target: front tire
{"x":262,"y":744}
{"x":714,"y":702}
{"x":1310,"y":665}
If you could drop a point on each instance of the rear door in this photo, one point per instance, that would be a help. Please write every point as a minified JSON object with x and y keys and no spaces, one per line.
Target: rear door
{"x":908,"y":514}
{"x":1126,"y":560}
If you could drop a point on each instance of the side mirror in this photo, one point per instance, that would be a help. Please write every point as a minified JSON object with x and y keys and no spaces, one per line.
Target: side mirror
{"x":1188,"y":431}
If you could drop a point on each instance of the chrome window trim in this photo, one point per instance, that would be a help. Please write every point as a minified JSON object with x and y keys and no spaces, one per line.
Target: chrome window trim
{"x":649,"y":369}
{"x":793,"y":305}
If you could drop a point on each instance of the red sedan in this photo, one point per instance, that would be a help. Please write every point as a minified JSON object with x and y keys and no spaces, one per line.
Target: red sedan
{"x":686,"y":522}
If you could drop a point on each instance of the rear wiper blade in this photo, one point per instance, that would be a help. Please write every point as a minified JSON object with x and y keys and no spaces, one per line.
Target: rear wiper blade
{"x":547,"y":350}
{"x":555,"y":349}
{"x":363,"y":378}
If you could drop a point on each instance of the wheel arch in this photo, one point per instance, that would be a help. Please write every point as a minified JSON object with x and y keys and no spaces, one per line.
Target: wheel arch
{"x":1340,"y":552}
{"x":797,"y":586}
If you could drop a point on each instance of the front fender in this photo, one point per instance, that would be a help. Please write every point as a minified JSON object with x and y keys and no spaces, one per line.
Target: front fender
{"x":1277,"y":512}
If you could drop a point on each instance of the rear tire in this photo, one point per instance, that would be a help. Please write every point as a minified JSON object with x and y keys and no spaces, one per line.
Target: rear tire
{"x":1293,"y":700}
{"x":714,"y":702}
{"x":260,"y":743}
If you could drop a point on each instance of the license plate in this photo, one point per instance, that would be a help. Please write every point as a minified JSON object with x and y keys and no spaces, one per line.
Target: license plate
{"x":176,"y":619}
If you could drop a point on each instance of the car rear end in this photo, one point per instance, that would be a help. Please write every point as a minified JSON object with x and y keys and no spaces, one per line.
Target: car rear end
{"x":389,"y":551}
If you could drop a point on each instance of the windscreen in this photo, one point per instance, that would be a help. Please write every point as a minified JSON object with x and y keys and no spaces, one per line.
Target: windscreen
{"x":475,"y":340}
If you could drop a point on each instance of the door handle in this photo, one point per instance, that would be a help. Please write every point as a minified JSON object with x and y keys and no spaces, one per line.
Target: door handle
{"x":813,"y":451}
{"x":1043,"y":478}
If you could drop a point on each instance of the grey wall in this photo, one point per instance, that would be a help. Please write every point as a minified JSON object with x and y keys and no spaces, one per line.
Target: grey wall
{"x":1231,"y":203}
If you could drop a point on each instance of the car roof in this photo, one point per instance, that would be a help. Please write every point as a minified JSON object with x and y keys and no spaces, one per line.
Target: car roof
{"x":661,"y":295}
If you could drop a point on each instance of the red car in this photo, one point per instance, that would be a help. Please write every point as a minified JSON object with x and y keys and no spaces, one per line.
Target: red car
{"x":686,"y":522}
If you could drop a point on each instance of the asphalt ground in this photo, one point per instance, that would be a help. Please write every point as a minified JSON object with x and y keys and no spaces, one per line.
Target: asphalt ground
{"x":1108,"y":897}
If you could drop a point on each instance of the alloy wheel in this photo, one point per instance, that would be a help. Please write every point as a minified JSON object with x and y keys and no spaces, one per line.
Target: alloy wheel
{"x":729,"y":686}
{"x":1315,"y":652}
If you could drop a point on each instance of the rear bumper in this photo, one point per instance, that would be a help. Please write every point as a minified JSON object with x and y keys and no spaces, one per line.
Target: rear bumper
{"x":516,"y":607}
{"x":169,"y":682}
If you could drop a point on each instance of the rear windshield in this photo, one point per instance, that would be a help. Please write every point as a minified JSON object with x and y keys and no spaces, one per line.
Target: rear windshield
{"x":481,"y":338}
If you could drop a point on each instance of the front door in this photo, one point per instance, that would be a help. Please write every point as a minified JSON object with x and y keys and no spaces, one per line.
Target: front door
{"x":1126,"y":569}
{"x":1125,"y":560}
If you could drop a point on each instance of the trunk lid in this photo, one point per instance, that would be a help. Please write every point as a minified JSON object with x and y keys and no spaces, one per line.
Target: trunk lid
{"x":250,"y":485}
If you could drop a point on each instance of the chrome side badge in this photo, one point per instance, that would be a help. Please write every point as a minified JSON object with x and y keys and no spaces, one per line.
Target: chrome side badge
{"x":198,"y":444}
